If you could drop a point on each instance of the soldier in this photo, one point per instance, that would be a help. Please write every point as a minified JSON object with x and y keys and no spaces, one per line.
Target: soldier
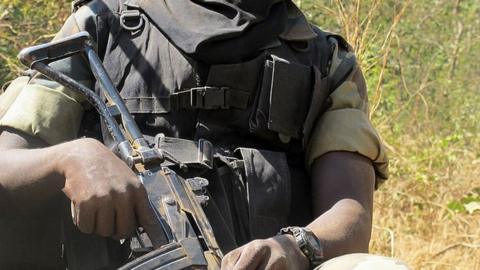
{"x":284,"y":104}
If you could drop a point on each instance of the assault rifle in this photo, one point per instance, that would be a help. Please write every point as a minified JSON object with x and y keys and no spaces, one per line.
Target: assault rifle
{"x":182,"y":226}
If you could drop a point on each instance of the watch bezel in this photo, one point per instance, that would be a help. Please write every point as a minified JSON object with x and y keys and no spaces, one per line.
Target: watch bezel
{"x":308,"y":243}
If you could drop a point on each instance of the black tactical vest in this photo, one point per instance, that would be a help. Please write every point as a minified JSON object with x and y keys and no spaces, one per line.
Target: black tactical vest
{"x":257,"y":115}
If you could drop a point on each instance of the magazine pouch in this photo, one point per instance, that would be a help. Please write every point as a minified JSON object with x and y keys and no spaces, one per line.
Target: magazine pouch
{"x":283,"y":100}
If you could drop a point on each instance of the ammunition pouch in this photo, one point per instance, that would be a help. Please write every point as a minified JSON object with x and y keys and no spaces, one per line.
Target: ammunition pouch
{"x":283,"y":100}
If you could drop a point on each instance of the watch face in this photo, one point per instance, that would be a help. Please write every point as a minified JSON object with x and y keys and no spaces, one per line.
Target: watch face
{"x":316,"y":249}
{"x":307,"y":242}
{"x":312,"y":240}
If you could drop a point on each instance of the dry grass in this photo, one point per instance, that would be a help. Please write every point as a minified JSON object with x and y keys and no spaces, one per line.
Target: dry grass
{"x":24,"y":23}
{"x":413,"y":223}
{"x":413,"y":220}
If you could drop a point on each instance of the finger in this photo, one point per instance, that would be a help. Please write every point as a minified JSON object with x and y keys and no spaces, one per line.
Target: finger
{"x":124,"y":219}
{"x":105,"y":220}
{"x":229,"y":260}
{"x":252,"y":256}
{"x":85,"y":217}
{"x":146,"y":217}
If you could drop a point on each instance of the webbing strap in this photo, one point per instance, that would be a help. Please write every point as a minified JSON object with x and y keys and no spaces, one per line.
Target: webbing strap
{"x":76,"y":4}
{"x":147,"y":104}
{"x":209,"y":98}
{"x":191,"y":153}
{"x":342,"y":72}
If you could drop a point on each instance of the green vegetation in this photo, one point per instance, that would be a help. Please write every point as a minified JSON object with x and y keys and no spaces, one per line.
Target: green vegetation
{"x":24,"y":23}
{"x":421,"y":62}
{"x":419,"y":58}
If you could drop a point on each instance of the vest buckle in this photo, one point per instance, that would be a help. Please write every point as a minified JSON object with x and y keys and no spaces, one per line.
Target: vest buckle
{"x":132,"y":20}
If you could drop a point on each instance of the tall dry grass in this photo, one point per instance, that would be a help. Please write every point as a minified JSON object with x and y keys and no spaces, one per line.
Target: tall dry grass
{"x":418,"y":58}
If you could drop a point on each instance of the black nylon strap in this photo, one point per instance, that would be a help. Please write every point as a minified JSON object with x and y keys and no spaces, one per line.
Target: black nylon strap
{"x":148,"y":104}
{"x":78,"y":4}
{"x":342,"y":72}
{"x":197,"y":154}
{"x":209,"y":98}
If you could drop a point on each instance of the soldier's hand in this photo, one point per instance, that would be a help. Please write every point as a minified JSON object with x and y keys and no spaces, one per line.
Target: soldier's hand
{"x":107,"y":197}
{"x":277,"y":253}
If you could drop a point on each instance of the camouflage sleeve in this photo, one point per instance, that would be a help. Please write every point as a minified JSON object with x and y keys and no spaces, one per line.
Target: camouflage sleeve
{"x":43,"y":108}
{"x":345,"y":125}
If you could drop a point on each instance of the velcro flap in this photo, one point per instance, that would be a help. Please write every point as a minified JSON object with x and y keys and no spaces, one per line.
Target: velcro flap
{"x":289,"y":97}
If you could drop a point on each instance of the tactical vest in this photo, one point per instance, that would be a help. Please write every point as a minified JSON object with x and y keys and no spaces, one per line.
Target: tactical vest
{"x":242,"y":126}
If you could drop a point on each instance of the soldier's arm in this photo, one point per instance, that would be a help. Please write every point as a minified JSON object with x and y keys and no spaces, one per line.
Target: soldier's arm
{"x":348,"y":161}
{"x":34,"y":113}
{"x":107,"y":196}
{"x":18,"y":186}
{"x":342,"y":190}
{"x":40,"y":158}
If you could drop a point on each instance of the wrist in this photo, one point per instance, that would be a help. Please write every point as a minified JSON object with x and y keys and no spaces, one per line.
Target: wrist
{"x":55,"y":157}
{"x":64,"y":155}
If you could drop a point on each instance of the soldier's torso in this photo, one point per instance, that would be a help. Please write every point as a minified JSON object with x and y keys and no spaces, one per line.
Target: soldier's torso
{"x":265,"y":99}
{"x":258,"y":112}
{"x":261,"y":104}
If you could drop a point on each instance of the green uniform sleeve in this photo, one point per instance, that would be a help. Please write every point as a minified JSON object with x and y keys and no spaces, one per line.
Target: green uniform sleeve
{"x":8,"y":97}
{"x":43,"y":108}
{"x":345,"y":126}
{"x":45,"y":112}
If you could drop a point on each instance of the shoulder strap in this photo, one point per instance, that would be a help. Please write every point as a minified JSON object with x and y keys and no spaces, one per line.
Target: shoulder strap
{"x":342,"y":60}
{"x":337,"y":63}
{"x":76,"y":4}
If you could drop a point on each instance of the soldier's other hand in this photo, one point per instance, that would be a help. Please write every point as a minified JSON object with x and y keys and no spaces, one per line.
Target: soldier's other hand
{"x":107,"y":197}
{"x":277,"y":253}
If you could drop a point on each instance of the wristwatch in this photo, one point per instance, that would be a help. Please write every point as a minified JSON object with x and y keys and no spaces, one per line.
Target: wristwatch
{"x":308,"y":244}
